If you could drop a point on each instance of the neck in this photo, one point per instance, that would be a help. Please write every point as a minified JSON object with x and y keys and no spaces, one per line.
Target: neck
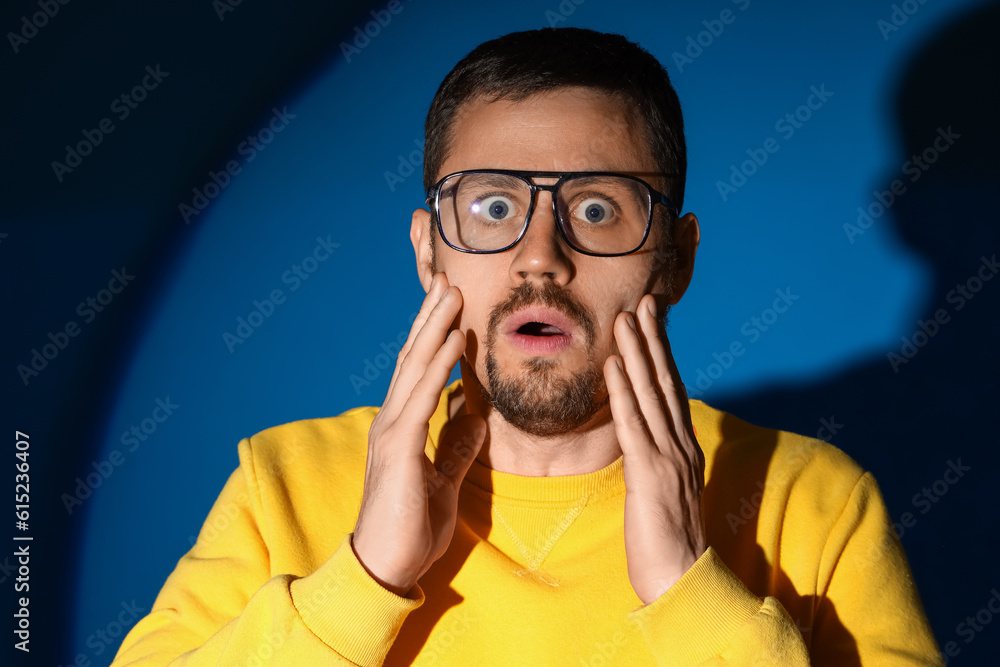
{"x":507,"y":449}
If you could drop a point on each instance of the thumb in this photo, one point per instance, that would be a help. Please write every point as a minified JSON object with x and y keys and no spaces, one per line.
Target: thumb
{"x":460,"y":442}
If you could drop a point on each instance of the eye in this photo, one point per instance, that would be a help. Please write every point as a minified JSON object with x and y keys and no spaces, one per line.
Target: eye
{"x":494,"y":208}
{"x":593,"y":210}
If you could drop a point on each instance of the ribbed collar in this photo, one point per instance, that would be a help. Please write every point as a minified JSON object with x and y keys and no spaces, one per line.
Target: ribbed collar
{"x":561,"y":490}
{"x":566,"y":490}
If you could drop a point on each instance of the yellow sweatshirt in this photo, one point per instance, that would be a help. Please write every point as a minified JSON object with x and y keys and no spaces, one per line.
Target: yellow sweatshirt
{"x":802,"y":566}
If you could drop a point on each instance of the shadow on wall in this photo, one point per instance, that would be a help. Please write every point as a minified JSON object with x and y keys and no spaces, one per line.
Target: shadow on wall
{"x":917,"y":414}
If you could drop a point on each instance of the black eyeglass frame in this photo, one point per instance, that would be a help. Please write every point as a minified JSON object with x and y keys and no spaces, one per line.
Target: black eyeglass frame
{"x":655,"y":197}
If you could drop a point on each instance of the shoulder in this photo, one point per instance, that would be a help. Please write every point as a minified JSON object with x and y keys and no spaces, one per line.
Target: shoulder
{"x":739,"y":454}
{"x":775,"y":501}
{"x":311,"y":444}
{"x":339,"y":439}
{"x":347,"y":423}
{"x":332,"y":446}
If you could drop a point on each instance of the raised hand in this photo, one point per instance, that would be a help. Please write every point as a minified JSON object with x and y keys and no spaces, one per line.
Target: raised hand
{"x":664,"y":466}
{"x":409,"y":505}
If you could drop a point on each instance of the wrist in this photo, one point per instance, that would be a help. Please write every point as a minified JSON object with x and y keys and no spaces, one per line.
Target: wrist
{"x":655,"y":586}
{"x":400,"y":585}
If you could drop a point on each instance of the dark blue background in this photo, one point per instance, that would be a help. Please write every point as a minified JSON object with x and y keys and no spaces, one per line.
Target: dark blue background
{"x":358,"y":115}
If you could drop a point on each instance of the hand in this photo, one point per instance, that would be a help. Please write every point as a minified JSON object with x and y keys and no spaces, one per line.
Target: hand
{"x":409,"y":505}
{"x":664,"y":466}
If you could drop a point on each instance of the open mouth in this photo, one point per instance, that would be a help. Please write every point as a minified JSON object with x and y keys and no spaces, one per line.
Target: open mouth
{"x":540,"y":329}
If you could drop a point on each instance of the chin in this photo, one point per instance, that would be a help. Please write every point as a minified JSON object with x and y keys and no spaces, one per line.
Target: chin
{"x":541,"y":399}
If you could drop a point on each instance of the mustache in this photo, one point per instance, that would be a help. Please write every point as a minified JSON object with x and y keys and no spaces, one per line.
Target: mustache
{"x":527,"y":294}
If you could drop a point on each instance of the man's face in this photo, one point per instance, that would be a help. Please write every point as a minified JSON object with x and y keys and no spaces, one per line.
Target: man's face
{"x":539,"y":317}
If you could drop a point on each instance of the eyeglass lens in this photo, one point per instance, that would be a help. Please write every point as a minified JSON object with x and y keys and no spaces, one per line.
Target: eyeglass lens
{"x":599,"y":214}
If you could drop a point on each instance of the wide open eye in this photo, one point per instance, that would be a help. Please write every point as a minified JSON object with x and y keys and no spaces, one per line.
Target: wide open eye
{"x":593,"y":210}
{"x":494,"y":208}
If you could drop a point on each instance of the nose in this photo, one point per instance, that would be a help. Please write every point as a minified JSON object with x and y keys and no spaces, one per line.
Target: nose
{"x":542,"y":254}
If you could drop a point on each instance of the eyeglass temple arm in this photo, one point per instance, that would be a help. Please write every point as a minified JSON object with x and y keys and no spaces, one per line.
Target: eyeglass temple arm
{"x":666,"y":201}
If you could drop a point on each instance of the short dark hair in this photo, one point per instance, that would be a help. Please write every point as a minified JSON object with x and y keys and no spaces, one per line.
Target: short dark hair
{"x":521,"y":64}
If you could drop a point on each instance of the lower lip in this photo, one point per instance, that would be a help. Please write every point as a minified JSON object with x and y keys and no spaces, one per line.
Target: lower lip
{"x":539,"y":345}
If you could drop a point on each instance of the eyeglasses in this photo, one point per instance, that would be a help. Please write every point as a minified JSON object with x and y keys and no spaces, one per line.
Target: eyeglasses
{"x":602,"y":214}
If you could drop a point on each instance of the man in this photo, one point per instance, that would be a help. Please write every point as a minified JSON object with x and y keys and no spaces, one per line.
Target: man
{"x":553,"y":506}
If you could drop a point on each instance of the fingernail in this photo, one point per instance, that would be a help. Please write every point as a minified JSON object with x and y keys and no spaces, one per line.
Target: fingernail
{"x":651,"y":307}
{"x":631,"y":322}
{"x":619,"y":362}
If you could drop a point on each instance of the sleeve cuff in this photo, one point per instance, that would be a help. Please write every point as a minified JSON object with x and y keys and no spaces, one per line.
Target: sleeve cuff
{"x":698,"y":617}
{"x":351,"y":612}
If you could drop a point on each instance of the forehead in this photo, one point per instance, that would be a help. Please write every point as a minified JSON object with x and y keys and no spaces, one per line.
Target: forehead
{"x":568,"y":129}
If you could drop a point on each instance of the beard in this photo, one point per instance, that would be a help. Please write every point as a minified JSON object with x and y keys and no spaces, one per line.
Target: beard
{"x":542,"y":400}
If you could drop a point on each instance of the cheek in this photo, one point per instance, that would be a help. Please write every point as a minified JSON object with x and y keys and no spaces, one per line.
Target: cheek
{"x":474,"y":327}
{"x":613,"y":297}
{"x":474,"y":321}
{"x":479,"y":293}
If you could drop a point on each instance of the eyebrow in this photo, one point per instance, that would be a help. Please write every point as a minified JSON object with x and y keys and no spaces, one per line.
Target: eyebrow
{"x":589,"y":180}
{"x":499,"y":180}
{"x":586,"y":180}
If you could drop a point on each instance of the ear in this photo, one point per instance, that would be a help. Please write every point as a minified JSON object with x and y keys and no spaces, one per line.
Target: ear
{"x":420,"y":237}
{"x":687,"y":236}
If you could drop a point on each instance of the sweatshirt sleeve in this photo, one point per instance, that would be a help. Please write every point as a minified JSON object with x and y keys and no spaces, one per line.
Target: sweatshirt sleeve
{"x":222,"y":605}
{"x":867,"y":609}
{"x":710,"y":618}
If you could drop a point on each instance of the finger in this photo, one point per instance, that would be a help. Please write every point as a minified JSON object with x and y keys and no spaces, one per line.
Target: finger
{"x":665,"y":368}
{"x":640,"y":376}
{"x":630,"y":427}
{"x":670,"y":382}
{"x":425,"y":396}
{"x":428,"y":340}
{"x":427,"y":343}
{"x":439,"y":283}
